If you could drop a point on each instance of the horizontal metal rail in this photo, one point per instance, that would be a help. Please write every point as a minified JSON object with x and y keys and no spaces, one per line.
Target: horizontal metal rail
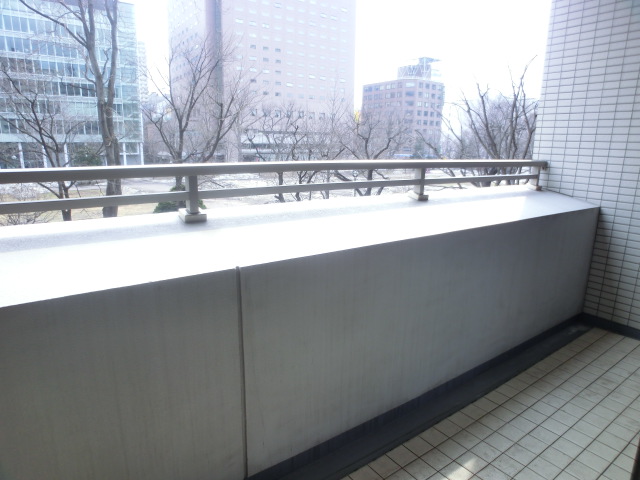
{"x":193,"y":171}
{"x":41,"y":175}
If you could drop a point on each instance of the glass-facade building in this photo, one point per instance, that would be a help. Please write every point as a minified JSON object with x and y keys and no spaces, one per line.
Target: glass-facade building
{"x":47,"y":64}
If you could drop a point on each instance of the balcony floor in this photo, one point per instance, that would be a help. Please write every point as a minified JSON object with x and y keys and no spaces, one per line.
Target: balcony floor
{"x":573,"y":416}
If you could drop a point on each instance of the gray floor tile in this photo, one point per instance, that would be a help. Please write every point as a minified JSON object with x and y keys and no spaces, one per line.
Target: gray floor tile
{"x":486,"y":451}
{"x":452,"y":449}
{"x":492,"y":473}
{"x":420,"y":470}
{"x":521,"y":454}
{"x":499,"y":442}
{"x":365,"y":473}
{"x":581,"y":471}
{"x":565,"y":421}
{"x":466,"y":439}
{"x":593,"y":461}
{"x":529,"y":474}
{"x":556,"y":457}
{"x":508,"y":465}
{"x":418,"y":446}
{"x":384,"y":466}
{"x":544,"y":468}
{"x":472,"y":462}
{"x":402,"y":455}
{"x":433,"y":436}
{"x":400,"y":475}
{"x":455,"y":471}
{"x":437,"y":459}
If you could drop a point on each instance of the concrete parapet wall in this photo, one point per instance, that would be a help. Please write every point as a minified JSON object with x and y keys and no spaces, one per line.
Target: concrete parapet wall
{"x":226,"y":373}
{"x":142,"y":382}
{"x":334,"y":340}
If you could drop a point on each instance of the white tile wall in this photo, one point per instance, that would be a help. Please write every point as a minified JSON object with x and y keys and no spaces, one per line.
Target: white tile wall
{"x":589,"y":130}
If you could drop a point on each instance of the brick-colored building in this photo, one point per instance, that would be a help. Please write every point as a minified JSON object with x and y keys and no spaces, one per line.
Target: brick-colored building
{"x":414,"y":98}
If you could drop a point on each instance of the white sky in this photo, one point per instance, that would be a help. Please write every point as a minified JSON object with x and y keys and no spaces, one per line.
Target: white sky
{"x":475,"y":40}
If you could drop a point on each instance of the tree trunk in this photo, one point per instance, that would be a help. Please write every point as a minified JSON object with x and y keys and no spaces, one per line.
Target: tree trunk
{"x":280,"y":196}
{"x":63,"y":190}
{"x":114,"y":187}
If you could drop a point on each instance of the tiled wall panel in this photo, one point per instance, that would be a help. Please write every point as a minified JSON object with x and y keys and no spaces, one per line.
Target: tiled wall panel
{"x":589,"y":130}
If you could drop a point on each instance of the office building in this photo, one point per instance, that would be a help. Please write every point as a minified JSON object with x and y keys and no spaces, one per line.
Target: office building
{"x":50,"y":65}
{"x":298,"y":53}
{"x":415,"y":99}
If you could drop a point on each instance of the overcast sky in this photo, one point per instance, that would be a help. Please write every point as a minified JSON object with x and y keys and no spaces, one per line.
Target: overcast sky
{"x":475,"y":40}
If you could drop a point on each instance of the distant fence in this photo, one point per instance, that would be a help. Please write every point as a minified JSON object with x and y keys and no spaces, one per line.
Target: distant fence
{"x":459,"y":172}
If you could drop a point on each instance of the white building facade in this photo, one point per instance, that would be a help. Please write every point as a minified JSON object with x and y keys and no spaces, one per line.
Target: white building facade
{"x":293,"y":52}
{"x":50,"y":65}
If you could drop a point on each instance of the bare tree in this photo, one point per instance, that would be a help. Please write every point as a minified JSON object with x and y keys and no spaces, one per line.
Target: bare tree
{"x":22,"y":192}
{"x":372,"y":135}
{"x":285,"y":132}
{"x":196,"y":112}
{"x":489,"y":126}
{"x":42,"y":120}
{"x":93,"y":26}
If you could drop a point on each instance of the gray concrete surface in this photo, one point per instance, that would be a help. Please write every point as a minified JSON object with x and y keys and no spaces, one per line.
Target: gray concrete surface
{"x":127,"y":349}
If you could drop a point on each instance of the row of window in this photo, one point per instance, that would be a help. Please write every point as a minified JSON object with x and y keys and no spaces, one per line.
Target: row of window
{"x":40,"y":47}
{"x":389,"y":86}
{"x":45,"y":27}
{"x":55,"y":49}
{"x":312,"y":56}
{"x":310,"y":76}
{"x":435,"y":106}
{"x":306,"y":33}
{"x":396,"y":105}
{"x":52,"y":88}
{"x":278,"y":61}
{"x":300,"y":96}
{"x":44,"y":67}
{"x":410,"y":93}
{"x":72,"y":127}
{"x":290,"y":74}
{"x":61,"y":127}
{"x":277,"y":113}
{"x":322,"y":46}
{"x":311,"y":23}
{"x":289,"y":7}
{"x":57,"y":88}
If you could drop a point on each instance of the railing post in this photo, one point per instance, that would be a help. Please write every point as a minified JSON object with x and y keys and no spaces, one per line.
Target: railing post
{"x":192,"y":213}
{"x":418,"y":190}
{"x":534,"y":184}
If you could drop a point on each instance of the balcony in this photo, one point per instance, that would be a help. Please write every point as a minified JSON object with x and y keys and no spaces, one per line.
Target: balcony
{"x":297,"y":340}
{"x":572,"y":415}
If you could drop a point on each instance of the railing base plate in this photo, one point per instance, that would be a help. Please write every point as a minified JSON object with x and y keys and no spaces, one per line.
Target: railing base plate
{"x":192,"y":217}
{"x":421,"y":197}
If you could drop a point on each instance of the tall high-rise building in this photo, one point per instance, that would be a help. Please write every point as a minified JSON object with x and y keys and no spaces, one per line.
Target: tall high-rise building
{"x":143,"y":73}
{"x":415,"y":98}
{"x":293,"y":52}
{"x":46,"y":64}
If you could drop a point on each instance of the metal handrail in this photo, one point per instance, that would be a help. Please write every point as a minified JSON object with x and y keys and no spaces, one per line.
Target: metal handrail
{"x":193,"y":195}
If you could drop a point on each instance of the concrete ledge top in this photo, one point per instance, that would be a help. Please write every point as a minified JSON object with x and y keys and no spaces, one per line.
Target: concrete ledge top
{"x":60,"y":259}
